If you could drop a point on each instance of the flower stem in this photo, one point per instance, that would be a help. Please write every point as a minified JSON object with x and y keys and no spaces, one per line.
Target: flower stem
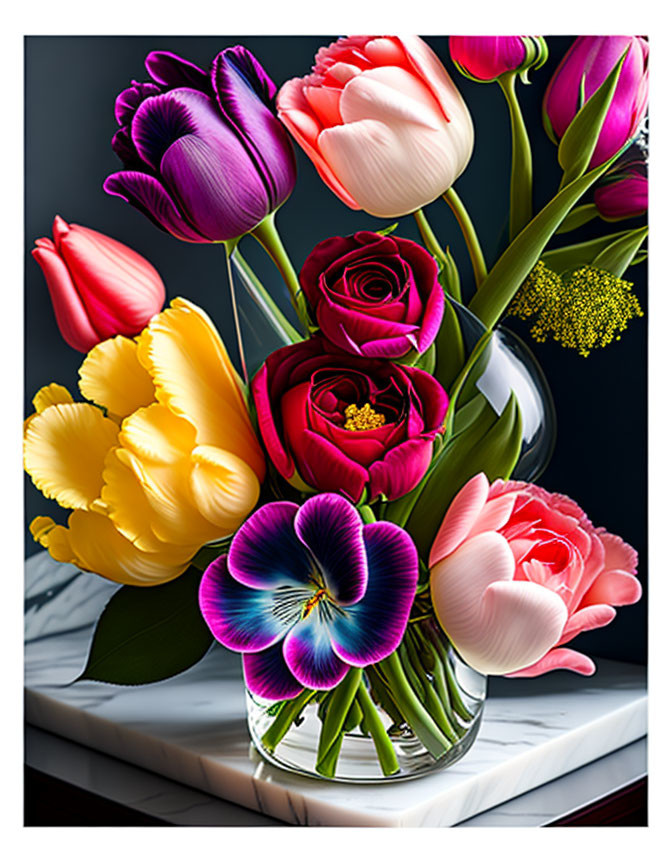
{"x":449,"y":272}
{"x":411,"y":709}
{"x":386,"y":755}
{"x":337,"y":711}
{"x":431,"y":700}
{"x":267,"y":235}
{"x":265,"y":302}
{"x":286,"y":716}
{"x":469,"y":233}
{"x":228,"y":250}
{"x":520,"y":211}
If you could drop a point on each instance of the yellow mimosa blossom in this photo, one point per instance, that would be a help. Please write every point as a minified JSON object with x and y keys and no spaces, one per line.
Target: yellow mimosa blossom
{"x":162,"y":459}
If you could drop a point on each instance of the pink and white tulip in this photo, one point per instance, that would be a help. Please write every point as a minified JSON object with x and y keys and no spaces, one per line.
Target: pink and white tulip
{"x":517,"y":572}
{"x":382,"y":122}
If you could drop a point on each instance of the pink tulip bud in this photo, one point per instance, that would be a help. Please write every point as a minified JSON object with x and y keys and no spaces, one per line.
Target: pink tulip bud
{"x":580,"y":73}
{"x":98,"y":286}
{"x":623,"y":193}
{"x":485,"y":58}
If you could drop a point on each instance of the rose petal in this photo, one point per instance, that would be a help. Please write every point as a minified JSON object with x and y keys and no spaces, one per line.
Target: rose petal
{"x":588,"y":618}
{"x":558,"y":658}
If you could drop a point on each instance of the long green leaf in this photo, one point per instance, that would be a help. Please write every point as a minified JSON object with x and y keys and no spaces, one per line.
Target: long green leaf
{"x":577,"y":145}
{"x":490,"y":444}
{"x":508,"y":274}
{"x":617,"y":257}
{"x":577,"y":217}
{"x":566,"y":258}
{"x":449,"y":348}
{"x":148,"y":634}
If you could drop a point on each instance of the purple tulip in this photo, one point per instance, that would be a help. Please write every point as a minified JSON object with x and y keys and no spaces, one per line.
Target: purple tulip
{"x":307,"y":592}
{"x":590,"y":59}
{"x":206,"y":158}
{"x":623,"y":193}
{"x":485,"y":58}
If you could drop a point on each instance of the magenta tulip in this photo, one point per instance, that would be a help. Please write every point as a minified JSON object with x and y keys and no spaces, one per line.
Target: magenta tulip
{"x":485,"y":58}
{"x":340,"y":423}
{"x":581,"y":71}
{"x":624,"y":192}
{"x":98,"y":286}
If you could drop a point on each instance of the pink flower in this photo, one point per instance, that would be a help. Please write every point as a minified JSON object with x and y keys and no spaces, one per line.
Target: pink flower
{"x":583,"y":68}
{"x":517,"y":572}
{"x":382,"y":122}
{"x":623,"y":193}
{"x":485,"y":58}
{"x":99,"y":288}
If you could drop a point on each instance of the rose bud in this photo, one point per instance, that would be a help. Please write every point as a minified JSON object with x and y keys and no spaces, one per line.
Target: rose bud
{"x":206,"y":158}
{"x":516,"y":572}
{"x":98,"y":286}
{"x":580,"y":73}
{"x":624,"y":192}
{"x":381,"y":121}
{"x":485,"y":58}
{"x":339,"y":423}
{"x":374,"y":296}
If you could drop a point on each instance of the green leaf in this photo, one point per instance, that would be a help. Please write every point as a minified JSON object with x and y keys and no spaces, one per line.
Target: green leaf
{"x":427,"y":361}
{"x":388,"y":230}
{"x":577,"y":217}
{"x":513,"y":266}
{"x":449,"y":348}
{"x":490,"y":444}
{"x":148,"y":634}
{"x":618,"y":256}
{"x":577,"y":145}
{"x":566,"y":258}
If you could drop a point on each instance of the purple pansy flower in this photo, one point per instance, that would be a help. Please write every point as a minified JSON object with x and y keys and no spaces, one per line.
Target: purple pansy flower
{"x":307,"y":592}
{"x":206,"y":158}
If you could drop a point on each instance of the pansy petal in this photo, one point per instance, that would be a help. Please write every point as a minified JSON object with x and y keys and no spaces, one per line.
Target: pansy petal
{"x":266,"y":552}
{"x":267,"y":675}
{"x":111,"y":376}
{"x":242,"y":618}
{"x":194,"y":377}
{"x":372,"y":629}
{"x":558,"y":658}
{"x":309,"y":655}
{"x":331,"y":528}
{"x":460,"y":518}
{"x":64,"y":451}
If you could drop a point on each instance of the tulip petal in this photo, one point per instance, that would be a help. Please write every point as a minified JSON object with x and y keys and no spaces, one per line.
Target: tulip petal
{"x":129,"y":100}
{"x":224,"y":488}
{"x":309,"y":655}
{"x":494,"y":515}
{"x":51,"y":394}
{"x":331,"y":528}
{"x":71,"y":315}
{"x":155,"y":434}
{"x":267,"y":675}
{"x":588,"y":618}
{"x":266,"y":552}
{"x":194,"y":377}
{"x":148,"y":195}
{"x":496,"y":625}
{"x":373,"y":628}
{"x":112,"y":376}
{"x":460,"y":518}
{"x":558,"y":658}
{"x":64,"y":452}
{"x":242,"y":618}
{"x":615,"y":587}
{"x":173,"y":71}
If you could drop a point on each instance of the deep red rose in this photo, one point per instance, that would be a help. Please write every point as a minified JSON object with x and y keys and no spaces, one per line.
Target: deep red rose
{"x":374,"y":296}
{"x":301,"y":394}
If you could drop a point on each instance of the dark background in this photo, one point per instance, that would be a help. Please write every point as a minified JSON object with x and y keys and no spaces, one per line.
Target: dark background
{"x":600,"y":458}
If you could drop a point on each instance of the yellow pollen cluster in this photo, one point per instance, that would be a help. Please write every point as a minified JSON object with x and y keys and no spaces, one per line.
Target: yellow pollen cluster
{"x":362,"y":419}
{"x":584,"y":310}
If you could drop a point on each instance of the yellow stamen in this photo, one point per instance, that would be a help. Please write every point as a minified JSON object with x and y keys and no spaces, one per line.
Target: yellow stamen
{"x":362,"y":419}
{"x":312,"y":603}
{"x":585,"y":309}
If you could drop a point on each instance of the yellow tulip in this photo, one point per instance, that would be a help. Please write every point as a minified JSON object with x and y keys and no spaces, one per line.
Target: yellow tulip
{"x":162,"y":459}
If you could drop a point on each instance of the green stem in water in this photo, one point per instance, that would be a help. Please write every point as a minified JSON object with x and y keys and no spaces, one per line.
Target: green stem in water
{"x":286,"y":716}
{"x":267,"y":235}
{"x":411,"y":709}
{"x":520,"y":211}
{"x":374,"y":725}
{"x":431,"y":700}
{"x":449,"y":272}
{"x":265,"y":302}
{"x":337,"y":711}
{"x":326,"y":766}
{"x":469,"y":233}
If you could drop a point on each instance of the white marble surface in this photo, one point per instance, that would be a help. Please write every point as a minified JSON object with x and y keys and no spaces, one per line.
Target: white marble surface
{"x":192,"y":727}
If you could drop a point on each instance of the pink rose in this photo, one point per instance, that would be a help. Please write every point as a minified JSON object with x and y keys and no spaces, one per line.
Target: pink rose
{"x":374,"y":296}
{"x":517,"y":572}
{"x":339,"y":423}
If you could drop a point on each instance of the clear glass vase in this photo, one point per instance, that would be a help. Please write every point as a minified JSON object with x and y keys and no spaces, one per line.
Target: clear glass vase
{"x":415,"y":712}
